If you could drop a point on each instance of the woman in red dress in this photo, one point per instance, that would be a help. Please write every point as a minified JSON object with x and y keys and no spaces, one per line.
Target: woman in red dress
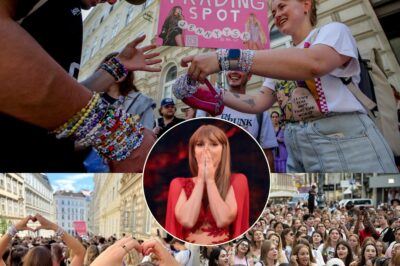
{"x":212,"y":206}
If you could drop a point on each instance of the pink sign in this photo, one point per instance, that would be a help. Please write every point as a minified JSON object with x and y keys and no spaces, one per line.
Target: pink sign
{"x":214,"y":23}
{"x":80,"y":227}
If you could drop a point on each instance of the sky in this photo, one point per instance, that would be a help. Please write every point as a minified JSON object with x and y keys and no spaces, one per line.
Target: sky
{"x":71,"y":182}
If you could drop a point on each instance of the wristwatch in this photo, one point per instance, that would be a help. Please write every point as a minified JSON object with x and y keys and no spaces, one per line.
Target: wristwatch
{"x":233,"y":59}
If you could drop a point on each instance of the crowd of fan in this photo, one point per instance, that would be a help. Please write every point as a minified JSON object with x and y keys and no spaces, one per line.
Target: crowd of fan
{"x":334,"y":235}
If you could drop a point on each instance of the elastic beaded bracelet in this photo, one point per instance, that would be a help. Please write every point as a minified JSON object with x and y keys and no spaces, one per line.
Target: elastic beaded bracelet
{"x":12,"y":231}
{"x":60,"y":232}
{"x":115,"y":69}
{"x":222,"y":55}
{"x":246,"y":60}
{"x":64,"y":130}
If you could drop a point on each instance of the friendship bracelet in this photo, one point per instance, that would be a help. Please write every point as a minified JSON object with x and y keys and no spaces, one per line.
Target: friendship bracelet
{"x":12,"y":231}
{"x":60,"y":232}
{"x":222,"y":55}
{"x":246,"y":60}
{"x":115,"y":69}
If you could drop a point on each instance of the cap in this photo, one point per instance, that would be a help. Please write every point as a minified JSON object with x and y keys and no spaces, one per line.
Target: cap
{"x":335,"y":262}
{"x":136,"y":2}
{"x":167,"y":101}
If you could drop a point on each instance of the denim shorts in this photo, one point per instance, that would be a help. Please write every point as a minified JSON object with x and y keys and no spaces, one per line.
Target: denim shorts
{"x":340,"y":142}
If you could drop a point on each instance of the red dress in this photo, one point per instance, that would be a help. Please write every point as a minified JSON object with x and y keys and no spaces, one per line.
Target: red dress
{"x":236,"y":228}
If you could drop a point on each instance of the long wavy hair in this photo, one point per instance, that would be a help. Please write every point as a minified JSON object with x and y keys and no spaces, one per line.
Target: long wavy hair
{"x":223,"y":172}
{"x":265,"y":248}
{"x":349,"y":258}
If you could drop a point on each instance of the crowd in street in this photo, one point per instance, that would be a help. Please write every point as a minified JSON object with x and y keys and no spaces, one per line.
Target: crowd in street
{"x":333,"y":235}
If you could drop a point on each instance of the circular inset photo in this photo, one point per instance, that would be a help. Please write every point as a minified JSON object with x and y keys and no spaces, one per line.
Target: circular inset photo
{"x":206,"y":181}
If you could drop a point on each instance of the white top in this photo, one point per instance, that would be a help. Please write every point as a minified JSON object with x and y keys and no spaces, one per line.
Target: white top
{"x":250,"y":123}
{"x":328,"y":91}
{"x":184,"y":257}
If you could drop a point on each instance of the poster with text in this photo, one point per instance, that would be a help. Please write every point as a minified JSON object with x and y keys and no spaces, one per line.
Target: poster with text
{"x":214,"y":24}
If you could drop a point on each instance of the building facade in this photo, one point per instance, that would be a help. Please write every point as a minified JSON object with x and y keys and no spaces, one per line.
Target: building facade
{"x":70,"y":207}
{"x":12,"y":199}
{"x":110,"y":28}
{"x":136,"y":218}
{"x":106,"y":198}
{"x":39,"y":198}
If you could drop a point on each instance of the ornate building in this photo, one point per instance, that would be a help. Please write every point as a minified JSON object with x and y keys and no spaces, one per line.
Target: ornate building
{"x":70,"y":207}
{"x":136,"y":218}
{"x":12,"y":199}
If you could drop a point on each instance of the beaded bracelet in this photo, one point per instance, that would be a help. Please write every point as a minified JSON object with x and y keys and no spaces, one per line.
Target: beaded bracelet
{"x":246,"y":60}
{"x":60,"y":232}
{"x":115,"y":69}
{"x":222,"y":55}
{"x":12,"y":231}
{"x":109,"y":129}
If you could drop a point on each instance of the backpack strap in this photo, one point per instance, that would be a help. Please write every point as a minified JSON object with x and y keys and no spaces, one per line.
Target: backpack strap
{"x":361,"y":97}
{"x":133,"y":101}
{"x":35,"y":7}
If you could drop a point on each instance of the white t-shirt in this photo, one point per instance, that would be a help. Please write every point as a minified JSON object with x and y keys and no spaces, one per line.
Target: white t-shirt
{"x":250,"y":123}
{"x":184,"y":257}
{"x":329,"y":92}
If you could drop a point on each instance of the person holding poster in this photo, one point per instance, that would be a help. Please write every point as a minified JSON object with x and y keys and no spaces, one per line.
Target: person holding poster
{"x":171,"y":33}
{"x":327,"y":128}
{"x":257,"y":37}
{"x":213,"y":206}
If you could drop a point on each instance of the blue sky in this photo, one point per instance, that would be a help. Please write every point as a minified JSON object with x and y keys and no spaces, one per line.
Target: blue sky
{"x":72,"y":182}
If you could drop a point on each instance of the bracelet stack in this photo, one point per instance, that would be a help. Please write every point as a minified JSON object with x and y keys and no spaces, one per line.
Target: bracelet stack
{"x":244,"y":64}
{"x":12,"y":231}
{"x":60,"y":232}
{"x":115,"y":69}
{"x":109,"y":129}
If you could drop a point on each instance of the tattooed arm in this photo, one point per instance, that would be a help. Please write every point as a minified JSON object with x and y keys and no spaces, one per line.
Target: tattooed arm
{"x":254,"y":104}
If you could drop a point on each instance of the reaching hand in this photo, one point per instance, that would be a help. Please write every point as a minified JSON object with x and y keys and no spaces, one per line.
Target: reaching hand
{"x":22,"y":224}
{"x":201,"y":65}
{"x":134,"y":58}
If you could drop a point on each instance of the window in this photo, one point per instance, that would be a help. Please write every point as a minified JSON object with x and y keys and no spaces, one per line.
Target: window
{"x":169,"y":81}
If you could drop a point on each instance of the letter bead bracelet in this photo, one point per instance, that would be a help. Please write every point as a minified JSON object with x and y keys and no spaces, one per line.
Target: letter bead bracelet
{"x":244,"y":64}
{"x":109,"y":129}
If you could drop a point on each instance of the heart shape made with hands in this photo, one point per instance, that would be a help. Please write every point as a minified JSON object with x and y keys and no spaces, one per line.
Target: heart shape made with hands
{"x":33,"y":224}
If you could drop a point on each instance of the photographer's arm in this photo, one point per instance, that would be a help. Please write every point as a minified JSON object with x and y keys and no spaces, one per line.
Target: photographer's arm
{"x":34,"y":87}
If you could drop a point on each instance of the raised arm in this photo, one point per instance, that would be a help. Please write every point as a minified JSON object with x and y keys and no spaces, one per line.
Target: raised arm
{"x":69,"y":240}
{"x":133,"y":58}
{"x":187,"y":210}
{"x":34,"y":88}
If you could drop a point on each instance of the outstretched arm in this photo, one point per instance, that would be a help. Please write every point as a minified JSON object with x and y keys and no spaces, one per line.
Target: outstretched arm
{"x":133,"y":58}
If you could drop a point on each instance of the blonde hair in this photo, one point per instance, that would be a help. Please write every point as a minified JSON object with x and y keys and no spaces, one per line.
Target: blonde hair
{"x":313,"y":11}
{"x":223,"y":172}
{"x":265,"y":248}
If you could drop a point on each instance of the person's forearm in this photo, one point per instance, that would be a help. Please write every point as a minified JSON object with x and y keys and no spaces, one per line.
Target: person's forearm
{"x":4,"y":241}
{"x":252,"y":104}
{"x":34,"y":88}
{"x":99,"y":81}
{"x":78,"y":249}
{"x":188,"y":212}
{"x":220,"y":210}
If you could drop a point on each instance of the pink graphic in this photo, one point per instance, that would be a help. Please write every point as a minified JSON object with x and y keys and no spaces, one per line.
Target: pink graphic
{"x":214,"y":23}
{"x":80,"y":227}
